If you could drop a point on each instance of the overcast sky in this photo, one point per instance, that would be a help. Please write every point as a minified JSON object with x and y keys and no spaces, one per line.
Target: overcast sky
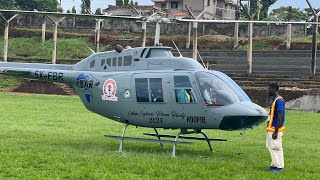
{"x":68,"y":4}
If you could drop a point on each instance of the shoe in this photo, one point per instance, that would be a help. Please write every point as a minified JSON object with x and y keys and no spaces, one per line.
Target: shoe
{"x":271,"y":168}
{"x":278,"y":170}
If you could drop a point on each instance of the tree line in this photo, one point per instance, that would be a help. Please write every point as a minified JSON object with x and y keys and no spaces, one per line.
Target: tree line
{"x":30,"y":5}
{"x":255,"y":9}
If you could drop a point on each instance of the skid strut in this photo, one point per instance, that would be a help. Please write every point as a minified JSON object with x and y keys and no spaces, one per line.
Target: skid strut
{"x":157,"y":134}
{"x":159,"y":140}
{"x":190,"y":132}
{"x":121,"y":141}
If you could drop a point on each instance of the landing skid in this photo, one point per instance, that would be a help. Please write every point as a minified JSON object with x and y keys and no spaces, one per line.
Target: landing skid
{"x":189,"y":137}
{"x":174,"y":142}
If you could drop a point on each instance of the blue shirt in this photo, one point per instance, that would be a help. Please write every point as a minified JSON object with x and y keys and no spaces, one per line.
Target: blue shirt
{"x":279,"y":107}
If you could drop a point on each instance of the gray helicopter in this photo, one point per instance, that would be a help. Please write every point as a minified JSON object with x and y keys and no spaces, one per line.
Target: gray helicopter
{"x":149,"y":87}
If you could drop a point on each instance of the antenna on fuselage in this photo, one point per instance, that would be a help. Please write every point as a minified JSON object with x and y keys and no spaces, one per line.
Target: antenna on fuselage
{"x":204,"y":65}
{"x":177,"y":48}
{"x":90,"y":49}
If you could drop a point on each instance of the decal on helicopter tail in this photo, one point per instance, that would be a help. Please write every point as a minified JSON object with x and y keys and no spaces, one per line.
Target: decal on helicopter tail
{"x":109,"y":90}
{"x":86,"y":85}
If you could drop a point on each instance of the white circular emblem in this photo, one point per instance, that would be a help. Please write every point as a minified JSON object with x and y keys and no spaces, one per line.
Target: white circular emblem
{"x":109,"y":90}
{"x":127,"y":93}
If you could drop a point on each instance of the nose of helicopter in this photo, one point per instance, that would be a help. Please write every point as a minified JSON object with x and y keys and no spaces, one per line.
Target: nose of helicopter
{"x":245,"y":115}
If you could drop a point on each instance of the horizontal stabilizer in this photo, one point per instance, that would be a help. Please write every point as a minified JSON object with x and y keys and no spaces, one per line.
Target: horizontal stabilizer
{"x":41,"y":72}
{"x":16,"y":73}
{"x":185,"y":137}
{"x":147,"y":140}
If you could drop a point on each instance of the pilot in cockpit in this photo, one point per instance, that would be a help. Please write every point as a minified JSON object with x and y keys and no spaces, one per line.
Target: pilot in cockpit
{"x":215,"y":95}
{"x":208,"y":93}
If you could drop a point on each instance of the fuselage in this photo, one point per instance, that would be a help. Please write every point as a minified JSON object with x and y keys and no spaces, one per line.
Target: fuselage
{"x":164,"y":92}
{"x":149,"y":87}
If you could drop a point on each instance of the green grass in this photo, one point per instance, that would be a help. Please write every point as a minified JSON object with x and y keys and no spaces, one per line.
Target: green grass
{"x":306,"y":39}
{"x":55,"y":137}
{"x":73,"y":48}
{"x":7,"y":82}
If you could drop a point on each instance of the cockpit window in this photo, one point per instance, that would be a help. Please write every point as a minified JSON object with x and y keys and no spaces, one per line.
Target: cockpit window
{"x":215,"y":91}
{"x":183,"y":90}
{"x":159,"y":53}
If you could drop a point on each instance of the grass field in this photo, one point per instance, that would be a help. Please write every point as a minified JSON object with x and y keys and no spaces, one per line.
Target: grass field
{"x":73,"y":48}
{"x":55,"y":137}
{"x":8,"y":82}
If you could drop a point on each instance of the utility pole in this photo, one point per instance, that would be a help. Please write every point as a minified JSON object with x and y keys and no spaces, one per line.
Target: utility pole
{"x":6,"y":36}
{"x":97,"y":34}
{"x":250,"y":36}
{"x":189,"y":28}
{"x":314,"y":42}
{"x":143,"y":28}
{"x":289,"y":29}
{"x":195,"y":40}
{"x":189,"y":36}
{"x":44,"y":24}
{"x":144,"y":33}
{"x":55,"y":37}
{"x":195,"y":32}
{"x":236,"y":28}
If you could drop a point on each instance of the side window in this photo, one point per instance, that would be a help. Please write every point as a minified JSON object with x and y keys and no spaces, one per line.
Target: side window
{"x":103,"y":61}
{"x":149,"y":90}
{"x":156,"y":92}
{"x":183,"y":90}
{"x":127,"y":61}
{"x":114,"y":61}
{"x":109,"y":61}
{"x":119,"y":61}
{"x":92,"y":63}
{"x":142,"y":90}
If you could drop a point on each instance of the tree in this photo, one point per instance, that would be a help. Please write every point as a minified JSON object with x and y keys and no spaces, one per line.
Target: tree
{"x":283,"y":14}
{"x":74,"y":10}
{"x":86,"y":7}
{"x":136,"y":4}
{"x":40,"y":5}
{"x":258,"y":9}
{"x":265,"y":8}
{"x":131,"y":4}
{"x":126,"y":3}
{"x":98,"y":11}
{"x":59,"y":9}
{"x":8,"y":4}
{"x":310,"y":14}
{"x":119,"y":3}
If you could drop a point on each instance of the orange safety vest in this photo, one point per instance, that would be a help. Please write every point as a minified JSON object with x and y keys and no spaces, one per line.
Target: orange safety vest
{"x":271,"y":128}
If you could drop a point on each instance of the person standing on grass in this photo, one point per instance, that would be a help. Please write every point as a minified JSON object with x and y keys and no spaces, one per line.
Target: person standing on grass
{"x":275,"y":128}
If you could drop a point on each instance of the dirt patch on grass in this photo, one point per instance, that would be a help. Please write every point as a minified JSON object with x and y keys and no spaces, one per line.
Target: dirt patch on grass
{"x":39,"y":87}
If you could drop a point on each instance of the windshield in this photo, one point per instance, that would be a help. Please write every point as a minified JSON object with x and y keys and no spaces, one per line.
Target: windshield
{"x":215,"y":91}
{"x":158,"y":52}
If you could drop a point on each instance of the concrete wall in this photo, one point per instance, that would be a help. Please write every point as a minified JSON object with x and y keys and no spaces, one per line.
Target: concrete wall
{"x":180,"y":28}
{"x":305,"y":103}
{"x":260,"y":95}
{"x":274,"y":30}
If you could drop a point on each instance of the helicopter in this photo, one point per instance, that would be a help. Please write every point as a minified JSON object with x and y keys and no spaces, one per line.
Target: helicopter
{"x":149,"y":87}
